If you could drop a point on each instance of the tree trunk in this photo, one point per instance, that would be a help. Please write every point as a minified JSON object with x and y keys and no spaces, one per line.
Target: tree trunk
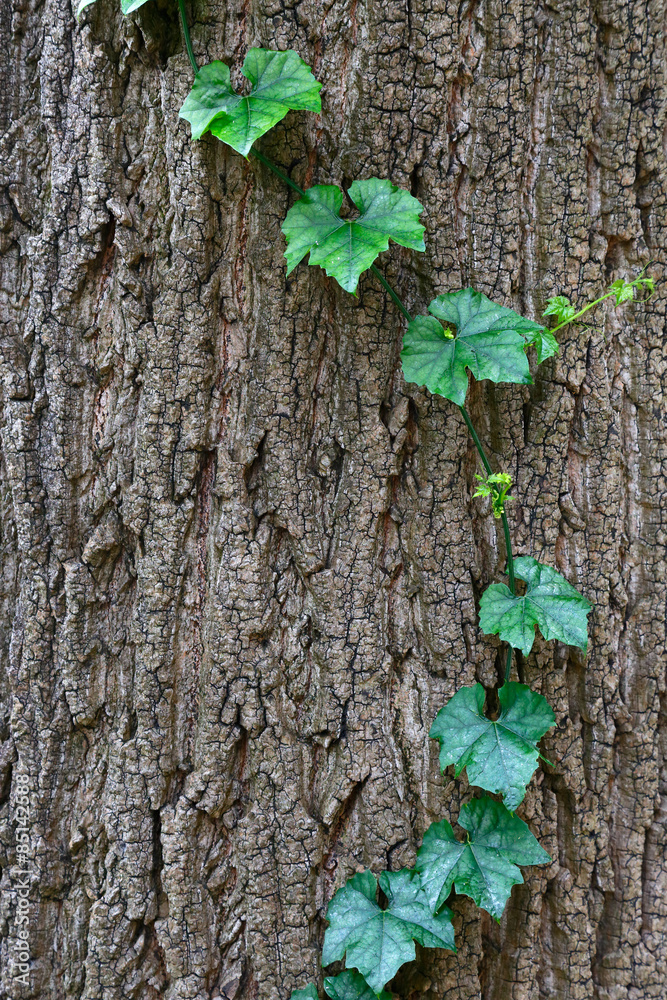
{"x":240,"y":559}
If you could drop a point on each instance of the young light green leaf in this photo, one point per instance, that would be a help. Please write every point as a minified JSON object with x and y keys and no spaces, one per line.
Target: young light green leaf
{"x":280,"y":81}
{"x":550,"y":602}
{"x":82,"y":5}
{"x":496,"y":486}
{"x":490,"y":340}
{"x":484,"y":867}
{"x":560,"y":307}
{"x":307,"y":993}
{"x":351,"y":985}
{"x":127,"y":6}
{"x":623,"y":291}
{"x":501,"y":754}
{"x":375,"y":941}
{"x":346,"y":247}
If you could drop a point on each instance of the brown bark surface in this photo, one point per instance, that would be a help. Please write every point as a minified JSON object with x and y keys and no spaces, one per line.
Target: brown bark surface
{"x":239,"y":556}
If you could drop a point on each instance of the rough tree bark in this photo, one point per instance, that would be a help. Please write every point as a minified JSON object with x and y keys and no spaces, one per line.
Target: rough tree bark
{"x":240,"y":562}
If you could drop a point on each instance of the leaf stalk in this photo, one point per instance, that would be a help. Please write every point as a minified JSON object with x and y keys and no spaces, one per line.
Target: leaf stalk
{"x":186,"y":36}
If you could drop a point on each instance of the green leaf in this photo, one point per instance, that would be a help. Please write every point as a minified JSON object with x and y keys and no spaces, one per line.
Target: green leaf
{"x":500,"y":755}
{"x":623,"y":290}
{"x":127,"y":6}
{"x":550,"y":603}
{"x":346,"y":247}
{"x":307,"y":993}
{"x":545,"y":344}
{"x":484,"y":867}
{"x":490,"y":340}
{"x":350,"y":985}
{"x":280,"y":81}
{"x":560,"y":307}
{"x":82,"y":5}
{"x":375,"y":941}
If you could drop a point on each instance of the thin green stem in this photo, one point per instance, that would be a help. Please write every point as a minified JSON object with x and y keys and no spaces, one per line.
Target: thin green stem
{"x":581,"y":312}
{"x":186,"y":36}
{"x":508,"y":549}
{"x":387,"y":287}
{"x":277,"y":171}
{"x":469,"y":424}
{"x":477,"y":442}
{"x":489,"y":471}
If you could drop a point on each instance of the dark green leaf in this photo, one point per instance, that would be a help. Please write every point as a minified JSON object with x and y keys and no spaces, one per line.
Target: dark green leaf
{"x":500,"y":755}
{"x":490,"y":340}
{"x":280,"y":81}
{"x":550,"y":603}
{"x":484,"y":867}
{"x":307,"y":993}
{"x":351,"y":985}
{"x":346,"y":247}
{"x":377,"y":942}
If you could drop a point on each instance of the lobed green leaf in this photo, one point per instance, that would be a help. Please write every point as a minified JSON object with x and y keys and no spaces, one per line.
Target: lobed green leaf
{"x":560,"y":307}
{"x":375,"y":941}
{"x":490,"y":340}
{"x":281,"y":81}
{"x":351,"y":985}
{"x":500,"y":754}
{"x":550,"y":602}
{"x":346,"y":247}
{"x":485,"y":866}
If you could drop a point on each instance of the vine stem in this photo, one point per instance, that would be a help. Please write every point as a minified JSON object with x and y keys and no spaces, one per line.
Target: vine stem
{"x":466,"y":416}
{"x":186,"y":36}
{"x":277,"y":171}
{"x":581,"y":312}
{"x":506,"y":527}
{"x":385,"y":284}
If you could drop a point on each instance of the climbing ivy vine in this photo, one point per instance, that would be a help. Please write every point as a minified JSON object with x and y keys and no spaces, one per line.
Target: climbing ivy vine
{"x":373,"y":923}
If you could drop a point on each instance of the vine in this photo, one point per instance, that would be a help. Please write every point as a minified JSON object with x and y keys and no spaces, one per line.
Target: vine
{"x":465,"y":332}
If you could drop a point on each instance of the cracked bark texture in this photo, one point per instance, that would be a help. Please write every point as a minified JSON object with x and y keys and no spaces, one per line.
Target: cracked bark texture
{"x":239,"y":556}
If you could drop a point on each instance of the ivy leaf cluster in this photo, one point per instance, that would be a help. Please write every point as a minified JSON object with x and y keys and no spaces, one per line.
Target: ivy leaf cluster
{"x":550,"y":603}
{"x":378,"y":941}
{"x":280,"y":82}
{"x":345,"y":248}
{"x":465,"y":332}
